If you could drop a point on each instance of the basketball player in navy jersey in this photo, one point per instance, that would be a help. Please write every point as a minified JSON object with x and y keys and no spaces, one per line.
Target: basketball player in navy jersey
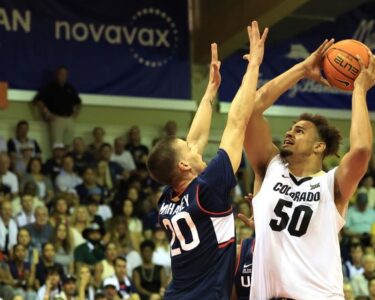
{"x":195,"y":208}
{"x":299,"y":209}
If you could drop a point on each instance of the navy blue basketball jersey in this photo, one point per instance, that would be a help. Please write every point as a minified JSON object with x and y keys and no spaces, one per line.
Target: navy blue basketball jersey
{"x":242,"y":277}
{"x":200,"y":227}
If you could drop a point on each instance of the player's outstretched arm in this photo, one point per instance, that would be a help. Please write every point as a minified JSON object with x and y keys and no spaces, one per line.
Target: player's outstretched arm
{"x":258,"y":139}
{"x":243,"y":103}
{"x":354,"y":163}
{"x":200,"y":127}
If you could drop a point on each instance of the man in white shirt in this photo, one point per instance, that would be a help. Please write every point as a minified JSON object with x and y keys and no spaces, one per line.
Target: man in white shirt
{"x":26,"y":215}
{"x":122,"y":156}
{"x":7,"y":177}
{"x":67,"y":180}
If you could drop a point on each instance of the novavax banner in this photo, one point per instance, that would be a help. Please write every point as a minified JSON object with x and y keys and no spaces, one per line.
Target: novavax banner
{"x":113,"y":47}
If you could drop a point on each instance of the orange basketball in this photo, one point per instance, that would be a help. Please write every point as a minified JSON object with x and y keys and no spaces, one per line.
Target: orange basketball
{"x":340,"y":64}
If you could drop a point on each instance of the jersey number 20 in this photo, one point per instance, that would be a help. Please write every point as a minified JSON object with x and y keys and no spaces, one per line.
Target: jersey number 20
{"x":296,"y":227}
{"x":176,"y":232}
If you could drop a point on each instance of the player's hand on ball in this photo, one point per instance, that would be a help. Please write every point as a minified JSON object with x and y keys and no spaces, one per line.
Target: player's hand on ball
{"x":312,"y":64}
{"x":256,"y":43}
{"x":249,"y":222}
{"x":366,"y":77}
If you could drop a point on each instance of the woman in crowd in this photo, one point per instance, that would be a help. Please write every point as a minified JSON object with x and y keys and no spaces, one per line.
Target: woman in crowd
{"x":81,"y":219}
{"x":63,"y":242}
{"x":60,"y":212}
{"x":134,"y":224}
{"x":105,"y":268}
{"x":43,"y":183}
{"x":85,"y":284}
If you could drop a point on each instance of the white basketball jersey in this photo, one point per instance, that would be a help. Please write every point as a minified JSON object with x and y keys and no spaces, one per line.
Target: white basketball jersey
{"x":297,"y":253}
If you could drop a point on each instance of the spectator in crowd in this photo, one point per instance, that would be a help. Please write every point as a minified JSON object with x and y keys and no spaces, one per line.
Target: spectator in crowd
{"x":170,"y":128}
{"x":41,"y":230}
{"x":20,"y":163}
{"x":26,"y":215}
{"x":53,"y":166}
{"x":8,"y":228}
{"x":138,"y":151}
{"x":93,"y":209}
{"x":92,"y":251}
{"x":120,"y":281}
{"x":105,"y":268}
{"x":348,"y":291}
{"x":63,"y":244}
{"x":123,"y":157}
{"x":89,"y":187}
{"x":80,"y":220}
{"x":69,"y":288}
{"x":60,"y":212}
{"x":133,"y":257}
{"x":43,"y":183}
{"x":98,"y":134}
{"x":7,"y":177}
{"x":359,"y":218}
{"x":354,"y":266}
{"x":115,"y":170}
{"x":21,"y":138}
{"x":150,"y":217}
{"x":86,"y":288}
{"x":360,"y":282}
{"x":52,"y":286}
{"x":30,"y":188}
{"x":24,"y":239}
{"x":60,"y":105}
{"x":117,"y":231}
{"x":6,"y":281}
{"x":134,"y":224}
{"x":104,"y":179}
{"x":82,"y":158}
{"x":67,"y":179}
{"x":149,"y":279}
{"x":367,"y":186}
{"x":47,"y":261}
{"x":371,"y":288}
{"x":3,"y":145}
{"x":23,"y":274}
{"x":5,"y":192}
{"x":161,"y":254}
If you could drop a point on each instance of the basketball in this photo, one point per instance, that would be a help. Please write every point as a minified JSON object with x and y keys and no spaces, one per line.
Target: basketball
{"x":340,"y":64}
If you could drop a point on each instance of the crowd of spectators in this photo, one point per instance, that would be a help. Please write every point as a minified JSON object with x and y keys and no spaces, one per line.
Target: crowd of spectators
{"x":83,"y":224}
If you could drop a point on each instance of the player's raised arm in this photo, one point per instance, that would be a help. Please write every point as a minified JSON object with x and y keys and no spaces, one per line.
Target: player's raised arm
{"x":354,"y":163}
{"x":258,"y":140}
{"x":243,"y":103}
{"x":200,"y":127}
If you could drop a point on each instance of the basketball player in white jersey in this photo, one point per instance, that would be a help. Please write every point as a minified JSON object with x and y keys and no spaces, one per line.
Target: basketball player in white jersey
{"x":299,"y":209}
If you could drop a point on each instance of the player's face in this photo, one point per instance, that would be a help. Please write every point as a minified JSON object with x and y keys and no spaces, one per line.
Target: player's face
{"x":189,"y":153}
{"x":301,"y":139}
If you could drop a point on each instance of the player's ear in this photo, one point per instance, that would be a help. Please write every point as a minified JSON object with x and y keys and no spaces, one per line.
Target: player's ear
{"x":183,"y":165}
{"x":320,"y":147}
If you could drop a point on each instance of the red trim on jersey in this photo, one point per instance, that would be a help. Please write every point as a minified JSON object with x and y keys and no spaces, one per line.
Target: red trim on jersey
{"x":238,"y":257}
{"x":210,"y":212}
{"x":223,"y":245}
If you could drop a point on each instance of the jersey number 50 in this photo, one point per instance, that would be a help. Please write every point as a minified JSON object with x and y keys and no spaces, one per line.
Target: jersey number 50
{"x":175,"y":229}
{"x":296,"y":227}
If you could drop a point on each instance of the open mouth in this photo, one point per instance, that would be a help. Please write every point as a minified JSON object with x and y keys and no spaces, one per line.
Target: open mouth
{"x":288,"y":142}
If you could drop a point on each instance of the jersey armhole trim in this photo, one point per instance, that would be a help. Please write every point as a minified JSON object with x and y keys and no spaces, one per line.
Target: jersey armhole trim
{"x":210,"y":212}
{"x":238,"y":257}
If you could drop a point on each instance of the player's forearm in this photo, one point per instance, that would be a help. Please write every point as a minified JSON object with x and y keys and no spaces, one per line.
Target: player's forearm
{"x":267,"y":95}
{"x":243,"y":103}
{"x":200,"y":127}
{"x":360,"y":128}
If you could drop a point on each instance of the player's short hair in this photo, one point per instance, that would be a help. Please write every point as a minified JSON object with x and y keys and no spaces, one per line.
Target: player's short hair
{"x":328,"y":133}
{"x":162,"y":161}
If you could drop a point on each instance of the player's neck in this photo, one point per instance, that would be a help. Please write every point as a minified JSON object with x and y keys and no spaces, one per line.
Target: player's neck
{"x":305,"y":167}
{"x":181,"y":186}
